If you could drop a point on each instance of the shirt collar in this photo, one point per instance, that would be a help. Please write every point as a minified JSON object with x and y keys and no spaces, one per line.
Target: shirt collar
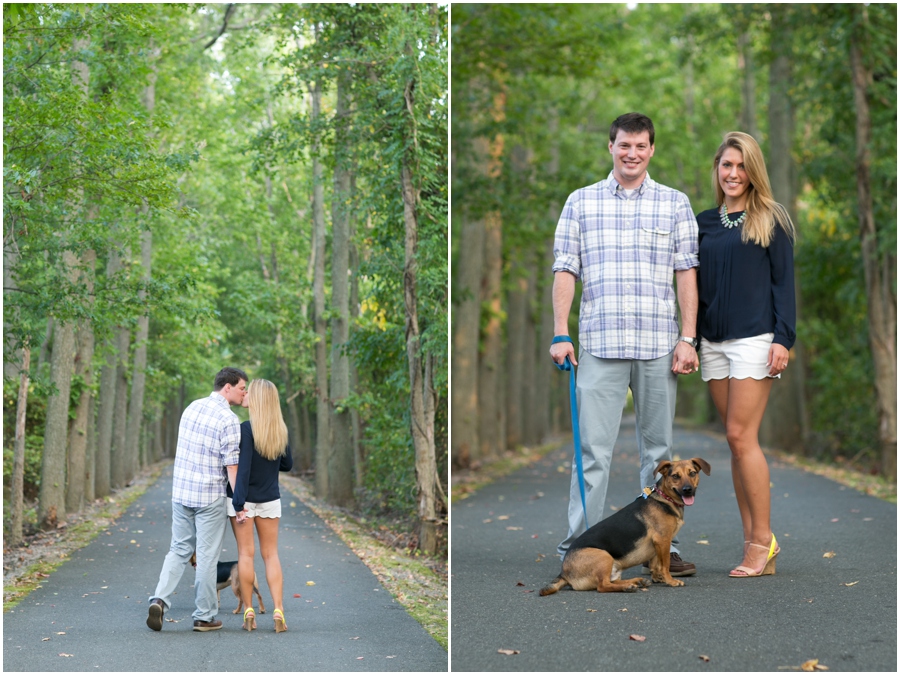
{"x":218,"y":398}
{"x":614,"y":186}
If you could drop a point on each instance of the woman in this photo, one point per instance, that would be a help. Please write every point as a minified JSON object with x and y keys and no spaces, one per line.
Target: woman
{"x":264,"y":452}
{"x":746,"y":323}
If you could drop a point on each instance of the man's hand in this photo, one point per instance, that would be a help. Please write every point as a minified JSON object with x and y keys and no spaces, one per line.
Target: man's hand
{"x":684,"y":359}
{"x":559,"y":352}
{"x":241,"y":516}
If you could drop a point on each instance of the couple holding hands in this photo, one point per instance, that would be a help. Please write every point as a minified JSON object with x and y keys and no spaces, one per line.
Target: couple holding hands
{"x":224,"y":467}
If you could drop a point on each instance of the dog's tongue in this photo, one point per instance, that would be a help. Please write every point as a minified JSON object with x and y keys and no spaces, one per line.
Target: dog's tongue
{"x":688,"y":501}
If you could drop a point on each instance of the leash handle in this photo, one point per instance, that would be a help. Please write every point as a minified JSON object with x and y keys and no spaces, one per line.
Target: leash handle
{"x":576,"y":431}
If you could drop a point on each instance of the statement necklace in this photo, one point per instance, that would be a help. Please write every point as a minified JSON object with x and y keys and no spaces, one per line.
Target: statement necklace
{"x":726,"y":221}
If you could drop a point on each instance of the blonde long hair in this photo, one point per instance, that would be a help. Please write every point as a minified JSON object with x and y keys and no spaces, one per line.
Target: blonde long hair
{"x":270,"y":435}
{"x":763,"y":212}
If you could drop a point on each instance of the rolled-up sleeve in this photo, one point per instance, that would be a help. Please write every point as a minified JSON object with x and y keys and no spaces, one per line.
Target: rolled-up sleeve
{"x":687,"y":242}
{"x":567,"y":243}
{"x":231,"y":441}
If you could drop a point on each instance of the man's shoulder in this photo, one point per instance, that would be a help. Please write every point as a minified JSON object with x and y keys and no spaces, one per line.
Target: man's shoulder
{"x":590,"y":190}
{"x":667,"y":192}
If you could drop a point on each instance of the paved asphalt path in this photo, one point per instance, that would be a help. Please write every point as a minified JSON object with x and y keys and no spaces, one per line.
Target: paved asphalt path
{"x":840,"y":610}
{"x":93,"y":608}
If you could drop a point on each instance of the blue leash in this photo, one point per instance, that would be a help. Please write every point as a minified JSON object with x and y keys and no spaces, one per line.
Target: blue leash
{"x":576,"y":432}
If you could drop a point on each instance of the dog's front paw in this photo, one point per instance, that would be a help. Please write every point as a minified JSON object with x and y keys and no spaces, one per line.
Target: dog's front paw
{"x":675,"y":582}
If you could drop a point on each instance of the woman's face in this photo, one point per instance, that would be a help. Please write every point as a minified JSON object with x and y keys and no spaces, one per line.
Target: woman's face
{"x":732,"y":176}
{"x":246,"y":402}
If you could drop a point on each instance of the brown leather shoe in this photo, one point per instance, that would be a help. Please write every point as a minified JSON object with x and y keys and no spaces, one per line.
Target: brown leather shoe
{"x":215,"y":624}
{"x":155,"y":614}
{"x":677,"y":566}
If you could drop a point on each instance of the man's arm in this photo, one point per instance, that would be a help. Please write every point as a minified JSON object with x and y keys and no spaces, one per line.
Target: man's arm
{"x":232,"y":470}
{"x":563,"y":294}
{"x":685,"y":360}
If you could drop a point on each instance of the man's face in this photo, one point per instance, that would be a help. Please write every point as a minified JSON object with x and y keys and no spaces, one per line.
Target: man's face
{"x":235,"y":394}
{"x":631,"y":156}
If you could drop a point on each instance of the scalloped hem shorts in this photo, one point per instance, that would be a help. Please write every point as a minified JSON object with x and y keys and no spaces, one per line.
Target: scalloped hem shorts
{"x":737,"y":359}
{"x":270,"y":509}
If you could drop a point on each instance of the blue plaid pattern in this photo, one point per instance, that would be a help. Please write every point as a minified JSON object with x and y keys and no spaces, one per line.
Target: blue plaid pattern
{"x":625,"y":251}
{"x":209,"y":439}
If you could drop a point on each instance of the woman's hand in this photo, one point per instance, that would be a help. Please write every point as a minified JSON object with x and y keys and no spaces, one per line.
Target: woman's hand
{"x":778,"y":359}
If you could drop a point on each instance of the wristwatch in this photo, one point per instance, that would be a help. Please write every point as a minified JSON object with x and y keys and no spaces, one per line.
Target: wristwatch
{"x":693,"y":342}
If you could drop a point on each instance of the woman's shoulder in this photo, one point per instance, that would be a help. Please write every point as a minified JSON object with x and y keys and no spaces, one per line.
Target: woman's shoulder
{"x":708,"y":215}
{"x":246,"y":428}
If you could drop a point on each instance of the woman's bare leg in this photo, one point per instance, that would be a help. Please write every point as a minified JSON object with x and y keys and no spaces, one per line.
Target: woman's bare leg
{"x":243,"y":533}
{"x":267,"y":528}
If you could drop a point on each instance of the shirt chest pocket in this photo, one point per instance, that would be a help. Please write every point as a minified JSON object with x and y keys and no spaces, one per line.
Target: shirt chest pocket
{"x":656,"y":239}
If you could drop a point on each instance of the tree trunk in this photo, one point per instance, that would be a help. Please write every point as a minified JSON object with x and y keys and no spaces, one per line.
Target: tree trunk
{"x":491,"y":414}
{"x":748,"y":84}
{"x":341,"y":474}
{"x":422,"y":394}
{"x":17,"y":506}
{"x":107,"y":404}
{"x":118,"y":454}
{"x":78,"y":428}
{"x":880,"y":268}
{"x":516,"y":325}
{"x":139,"y":366}
{"x":358,"y":459}
{"x":786,"y":423}
{"x":53,"y":463}
{"x":323,"y":407}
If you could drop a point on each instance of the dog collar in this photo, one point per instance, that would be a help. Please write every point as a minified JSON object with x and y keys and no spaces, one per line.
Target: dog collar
{"x":665,"y":496}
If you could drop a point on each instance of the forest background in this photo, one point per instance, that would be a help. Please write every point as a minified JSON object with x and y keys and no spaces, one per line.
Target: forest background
{"x":535,"y":89}
{"x":188,"y":187}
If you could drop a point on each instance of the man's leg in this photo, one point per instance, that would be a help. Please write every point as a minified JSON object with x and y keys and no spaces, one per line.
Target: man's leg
{"x":654,"y":386}
{"x":211,"y":522}
{"x":180,"y":551}
{"x":602,"y":386}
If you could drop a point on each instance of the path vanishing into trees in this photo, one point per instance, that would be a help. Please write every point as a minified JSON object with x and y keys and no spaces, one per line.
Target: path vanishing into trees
{"x":90,"y":614}
{"x":841,"y":610}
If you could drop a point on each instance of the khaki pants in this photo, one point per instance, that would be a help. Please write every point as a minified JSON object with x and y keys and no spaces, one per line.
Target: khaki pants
{"x":602,"y":387}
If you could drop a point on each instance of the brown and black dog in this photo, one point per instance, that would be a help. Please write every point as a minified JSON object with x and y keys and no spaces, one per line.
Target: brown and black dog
{"x":641,"y":531}
{"x":227,"y":575}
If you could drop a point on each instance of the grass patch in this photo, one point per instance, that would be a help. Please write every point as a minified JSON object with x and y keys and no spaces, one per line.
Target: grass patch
{"x":409,"y":578}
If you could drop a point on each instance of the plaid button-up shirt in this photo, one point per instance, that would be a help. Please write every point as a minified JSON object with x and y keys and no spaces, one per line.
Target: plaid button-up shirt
{"x":209,"y":439}
{"x":625,"y":251}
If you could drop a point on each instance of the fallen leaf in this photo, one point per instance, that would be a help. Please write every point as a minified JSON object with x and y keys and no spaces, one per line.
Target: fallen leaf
{"x":592,"y":610}
{"x":519,"y":583}
{"x":514,"y":528}
{"x":61,"y":632}
{"x":45,"y":639}
{"x":67,"y":655}
{"x":852,"y":583}
{"x":508,"y":652}
{"x":502,"y":517}
{"x":704,"y":657}
{"x":866,"y":520}
{"x":534,"y":536}
{"x":391,"y":657}
{"x":829,"y":554}
{"x":809,"y":666}
{"x":834,"y":520}
{"x":704,"y":542}
{"x":488,"y":520}
{"x":637,"y":638}
{"x":624,"y":609}
{"x":297,"y":595}
{"x":354,"y":638}
{"x":310,"y":583}
{"x":360,"y":658}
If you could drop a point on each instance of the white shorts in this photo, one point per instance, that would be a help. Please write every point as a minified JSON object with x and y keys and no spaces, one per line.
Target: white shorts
{"x":738,"y":359}
{"x":263,"y":510}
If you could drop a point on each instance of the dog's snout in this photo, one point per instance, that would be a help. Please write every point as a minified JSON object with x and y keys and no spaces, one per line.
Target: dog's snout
{"x":687,"y":489}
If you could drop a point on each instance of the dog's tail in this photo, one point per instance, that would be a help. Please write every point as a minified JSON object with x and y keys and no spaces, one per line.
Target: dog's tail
{"x":551,"y":588}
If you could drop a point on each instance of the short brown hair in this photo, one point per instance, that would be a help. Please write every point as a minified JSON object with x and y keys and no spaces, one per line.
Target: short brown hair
{"x":632,"y":123}
{"x":230,"y":376}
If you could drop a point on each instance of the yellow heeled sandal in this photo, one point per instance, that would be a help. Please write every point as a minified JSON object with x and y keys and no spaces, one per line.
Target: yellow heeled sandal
{"x":767,"y":568}
{"x":280,"y":625}
{"x":249,"y":619}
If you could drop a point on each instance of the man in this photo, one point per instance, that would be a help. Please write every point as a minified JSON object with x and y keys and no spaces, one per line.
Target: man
{"x":208,"y":439}
{"x":624,"y":237}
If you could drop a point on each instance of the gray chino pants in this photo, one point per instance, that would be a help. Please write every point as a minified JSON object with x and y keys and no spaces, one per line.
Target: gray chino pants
{"x":202,"y":529}
{"x":602,"y":387}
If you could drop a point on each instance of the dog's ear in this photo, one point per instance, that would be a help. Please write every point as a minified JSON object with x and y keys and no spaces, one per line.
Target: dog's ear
{"x":701,"y":464}
{"x":664,"y":467}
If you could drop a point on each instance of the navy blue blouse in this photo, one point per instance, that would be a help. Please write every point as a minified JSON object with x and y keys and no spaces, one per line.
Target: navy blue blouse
{"x":745,"y":289}
{"x":257,"y":477}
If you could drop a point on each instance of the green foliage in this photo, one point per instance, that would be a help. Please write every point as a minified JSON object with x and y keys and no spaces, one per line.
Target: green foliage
{"x":34,"y":436}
